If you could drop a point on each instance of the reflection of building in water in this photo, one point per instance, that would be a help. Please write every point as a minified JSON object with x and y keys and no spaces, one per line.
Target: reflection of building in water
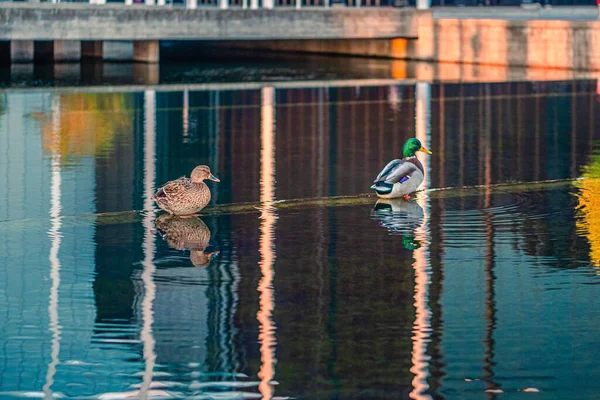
{"x":538,"y":131}
{"x":327,"y":141}
{"x":48,"y":270}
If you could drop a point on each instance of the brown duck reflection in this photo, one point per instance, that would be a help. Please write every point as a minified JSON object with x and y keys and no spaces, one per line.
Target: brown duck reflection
{"x":187,"y":234}
{"x":400,"y":217}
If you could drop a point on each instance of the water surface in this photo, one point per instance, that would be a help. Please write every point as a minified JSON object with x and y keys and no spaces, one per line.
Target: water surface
{"x":450,"y":295}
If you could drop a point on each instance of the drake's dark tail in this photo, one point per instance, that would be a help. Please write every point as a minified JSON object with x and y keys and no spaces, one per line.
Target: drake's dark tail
{"x":382,"y":187}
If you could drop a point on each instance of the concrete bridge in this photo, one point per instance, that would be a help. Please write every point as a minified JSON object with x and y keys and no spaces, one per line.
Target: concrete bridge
{"x":511,"y":36}
{"x":67,"y":32}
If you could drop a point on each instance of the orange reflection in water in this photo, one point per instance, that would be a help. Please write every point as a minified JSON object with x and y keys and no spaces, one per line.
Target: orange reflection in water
{"x":268,"y":218}
{"x":422,"y":324}
{"x":89,"y":123}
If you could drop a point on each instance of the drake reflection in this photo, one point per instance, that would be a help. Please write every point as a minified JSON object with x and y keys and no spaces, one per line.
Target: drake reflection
{"x":187,"y":234}
{"x":400,"y":217}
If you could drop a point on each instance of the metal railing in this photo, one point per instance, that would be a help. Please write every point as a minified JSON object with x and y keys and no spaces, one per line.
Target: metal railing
{"x":250,"y":4}
{"x":269,"y":4}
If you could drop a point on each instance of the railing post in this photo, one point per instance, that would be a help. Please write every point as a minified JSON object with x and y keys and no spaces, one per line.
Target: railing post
{"x":245,"y":4}
{"x":357,"y":3}
{"x":191,"y":4}
{"x":254,"y":4}
{"x":128,"y":2}
{"x":299,"y":4}
{"x":423,"y":4}
{"x":268,"y":4}
{"x":223,"y":4}
{"x":149,"y":2}
{"x":160,"y":2}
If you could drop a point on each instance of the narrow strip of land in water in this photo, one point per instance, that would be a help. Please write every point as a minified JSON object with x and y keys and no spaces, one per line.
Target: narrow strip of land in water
{"x":134,"y":216}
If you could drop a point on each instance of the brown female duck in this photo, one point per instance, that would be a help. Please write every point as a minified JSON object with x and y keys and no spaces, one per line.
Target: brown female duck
{"x":186,"y":196}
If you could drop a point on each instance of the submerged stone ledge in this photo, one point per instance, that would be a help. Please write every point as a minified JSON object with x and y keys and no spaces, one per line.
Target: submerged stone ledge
{"x":134,"y":216}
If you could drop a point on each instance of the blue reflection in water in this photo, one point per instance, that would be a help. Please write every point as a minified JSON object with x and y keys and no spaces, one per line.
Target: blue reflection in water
{"x":448,"y":295}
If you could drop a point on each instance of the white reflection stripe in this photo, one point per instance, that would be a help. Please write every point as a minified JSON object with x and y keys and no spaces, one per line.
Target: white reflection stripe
{"x":147,"y":336}
{"x":55,"y":239}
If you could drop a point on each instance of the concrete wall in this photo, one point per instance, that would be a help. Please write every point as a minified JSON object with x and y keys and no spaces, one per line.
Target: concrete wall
{"x":537,"y":44}
{"x":85,"y":22}
{"x":570,"y":45}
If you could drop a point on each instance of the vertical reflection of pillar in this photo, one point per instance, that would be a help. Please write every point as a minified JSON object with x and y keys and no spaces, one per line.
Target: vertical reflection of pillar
{"x":573,"y":129}
{"x":321,"y":144}
{"x":461,"y":141}
{"x":213,"y":154}
{"x":147,"y":336}
{"x":422,"y":325}
{"x":186,"y":114}
{"x":268,"y":218}
{"x":423,"y":124}
{"x":321,"y":238}
{"x":55,"y":239}
{"x":487,"y":135}
{"x":490,"y":302}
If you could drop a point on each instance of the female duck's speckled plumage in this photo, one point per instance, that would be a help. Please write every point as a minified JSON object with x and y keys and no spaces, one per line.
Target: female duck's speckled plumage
{"x":399,"y":178}
{"x":186,"y":196}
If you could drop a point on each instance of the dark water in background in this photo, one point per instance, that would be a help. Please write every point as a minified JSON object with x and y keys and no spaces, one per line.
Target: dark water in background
{"x":450,"y":295}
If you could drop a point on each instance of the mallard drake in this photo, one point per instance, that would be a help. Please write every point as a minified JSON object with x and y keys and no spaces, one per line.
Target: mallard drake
{"x":401,"y":177}
{"x":186,"y":196}
{"x":186,"y":234}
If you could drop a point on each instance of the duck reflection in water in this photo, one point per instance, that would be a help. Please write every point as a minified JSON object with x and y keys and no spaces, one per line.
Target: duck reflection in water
{"x":187,"y":234}
{"x":400,"y":217}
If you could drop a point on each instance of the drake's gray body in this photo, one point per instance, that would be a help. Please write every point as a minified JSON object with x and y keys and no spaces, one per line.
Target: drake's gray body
{"x":399,"y":178}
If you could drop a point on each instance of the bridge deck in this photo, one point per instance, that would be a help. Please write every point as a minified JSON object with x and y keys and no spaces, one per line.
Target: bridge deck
{"x":119,"y":22}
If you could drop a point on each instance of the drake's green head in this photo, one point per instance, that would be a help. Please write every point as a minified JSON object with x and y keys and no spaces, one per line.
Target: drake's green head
{"x":413,"y":145}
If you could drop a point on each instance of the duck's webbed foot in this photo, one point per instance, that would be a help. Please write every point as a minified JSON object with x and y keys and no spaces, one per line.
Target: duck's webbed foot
{"x":406,"y":197}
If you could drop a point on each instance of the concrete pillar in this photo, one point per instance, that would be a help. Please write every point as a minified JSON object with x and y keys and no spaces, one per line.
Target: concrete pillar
{"x":91,"y":49}
{"x":21,"y":51}
{"x":67,"y":50}
{"x":146,"y":51}
{"x":117,"y":50}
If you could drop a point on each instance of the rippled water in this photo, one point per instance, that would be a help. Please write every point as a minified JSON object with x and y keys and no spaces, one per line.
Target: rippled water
{"x":487,"y":286}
